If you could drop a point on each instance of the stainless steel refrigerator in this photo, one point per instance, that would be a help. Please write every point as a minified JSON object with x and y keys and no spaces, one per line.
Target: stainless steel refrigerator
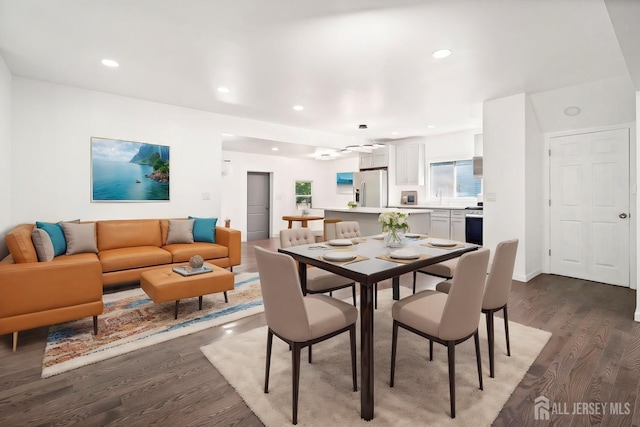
{"x":370,"y":188}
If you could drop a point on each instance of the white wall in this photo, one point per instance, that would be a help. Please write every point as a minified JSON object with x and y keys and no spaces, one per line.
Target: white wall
{"x":50,"y":151}
{"x":5,"y":155}
{"x":534,"y":193}
{"x":504,"y":175}
{"x":284,"y":172}
{"x":637,"y":163}
{"x":52,"y":128}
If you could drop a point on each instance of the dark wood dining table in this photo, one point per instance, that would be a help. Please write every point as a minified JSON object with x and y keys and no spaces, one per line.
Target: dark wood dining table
{"x":367,"y":272}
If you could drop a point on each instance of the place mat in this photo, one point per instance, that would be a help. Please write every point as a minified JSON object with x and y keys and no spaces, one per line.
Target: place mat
{"x":448,"y":248}
{"x":403,"y":261}
{"x":356,"y":259}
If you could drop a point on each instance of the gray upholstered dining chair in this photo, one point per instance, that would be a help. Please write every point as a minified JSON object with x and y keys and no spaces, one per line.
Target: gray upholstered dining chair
{"x":446,"y":319}
{"x":496,"y":293}
{"x":445,"y":269}
{"x":347,"y":229}
{"x":318,"y":281}
{"x":299,"y":320}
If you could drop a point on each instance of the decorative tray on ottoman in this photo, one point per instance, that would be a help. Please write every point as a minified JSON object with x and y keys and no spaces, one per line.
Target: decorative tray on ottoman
{"x":185,"y":270}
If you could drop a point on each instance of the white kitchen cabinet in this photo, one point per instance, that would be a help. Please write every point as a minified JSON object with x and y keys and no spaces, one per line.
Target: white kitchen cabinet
{"x":410,"y":164}
{"x":440,"y":224}
{"x":458,"y":225}
{"x":378,"y":158}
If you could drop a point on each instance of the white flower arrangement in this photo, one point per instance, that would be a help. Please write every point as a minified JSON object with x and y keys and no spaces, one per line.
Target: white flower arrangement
{"x":393,"y":221}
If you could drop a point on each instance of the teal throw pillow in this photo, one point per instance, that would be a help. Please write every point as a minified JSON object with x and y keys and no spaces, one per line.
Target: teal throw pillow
{"x":204,"y":229}
{"x":56,"y":234}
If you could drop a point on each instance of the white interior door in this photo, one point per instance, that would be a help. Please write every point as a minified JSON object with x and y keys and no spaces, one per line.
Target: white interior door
{"x":589,"y":212}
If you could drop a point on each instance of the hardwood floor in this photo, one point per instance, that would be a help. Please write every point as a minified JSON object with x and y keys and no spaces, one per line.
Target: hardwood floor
{"x":593,"y":356}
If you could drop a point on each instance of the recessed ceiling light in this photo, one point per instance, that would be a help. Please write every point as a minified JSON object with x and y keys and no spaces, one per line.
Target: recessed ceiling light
{"x":431,"y":126}
{"x":394,"y":133}
{"x":224,"y":89}
{"x":227,"y":134}
{"x":572,"y":111}
{"x":298,"y":107}
{"x":441,"y":53}
{"x":275,"y":149}
{"x":110,"y":63}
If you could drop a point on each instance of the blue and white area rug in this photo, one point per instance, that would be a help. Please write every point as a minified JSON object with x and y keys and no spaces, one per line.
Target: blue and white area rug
{"x":131,"y":321}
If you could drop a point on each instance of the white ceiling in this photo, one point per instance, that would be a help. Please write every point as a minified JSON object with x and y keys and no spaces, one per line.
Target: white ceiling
{"x":346,"y":62}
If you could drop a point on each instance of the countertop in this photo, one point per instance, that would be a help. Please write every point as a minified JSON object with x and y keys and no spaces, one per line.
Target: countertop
{"x":380,"y":210}
{"x":431,"y":207}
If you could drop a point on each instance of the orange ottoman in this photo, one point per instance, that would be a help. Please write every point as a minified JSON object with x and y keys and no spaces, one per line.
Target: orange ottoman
{"x":163,"y":285}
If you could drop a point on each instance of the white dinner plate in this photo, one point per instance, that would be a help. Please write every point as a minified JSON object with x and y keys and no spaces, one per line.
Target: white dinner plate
{"x":412,"y":235}
{"x":340,"y":242}
{"x":339,"y":255}
{"x":442,"y":243}
{"x":404,"y":254}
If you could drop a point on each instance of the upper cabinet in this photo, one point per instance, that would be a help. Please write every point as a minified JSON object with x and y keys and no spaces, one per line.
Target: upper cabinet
{"x":378,"y":158}
{"x":410,"y":164}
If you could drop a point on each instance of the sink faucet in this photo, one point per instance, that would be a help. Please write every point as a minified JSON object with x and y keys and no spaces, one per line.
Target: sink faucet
{"x":439,"y":195}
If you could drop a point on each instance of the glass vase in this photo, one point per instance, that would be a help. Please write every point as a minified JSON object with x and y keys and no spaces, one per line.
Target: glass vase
{"x":394,"y":238}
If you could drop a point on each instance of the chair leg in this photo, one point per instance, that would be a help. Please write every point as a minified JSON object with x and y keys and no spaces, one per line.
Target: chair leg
{"x":394,"y":343}
{"x":490,"y":340}
{"x":266,"y":370}
{"x":353,"y":293}
{"x":295,"y":359}
{"x":95,"y":325}
{"x":354,"y":366}
{"x":476,"y":338}
{"x":15,"y":341}
{"x":310,"y":358}
{"x":430,"y":349}
{"x":451,"y":346}
{"x":415,"y":274}
{"x":506,"y":330}
{"x":226,"y":298}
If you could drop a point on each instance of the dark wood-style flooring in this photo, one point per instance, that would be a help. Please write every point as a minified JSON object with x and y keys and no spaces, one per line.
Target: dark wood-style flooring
{"x":593,"y":356}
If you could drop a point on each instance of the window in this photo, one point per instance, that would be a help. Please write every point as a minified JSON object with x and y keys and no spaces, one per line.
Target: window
{"x":303,"y":194}
{"x":454,"y":179}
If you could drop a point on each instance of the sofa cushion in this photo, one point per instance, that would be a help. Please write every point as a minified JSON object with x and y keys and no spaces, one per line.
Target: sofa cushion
{"x":182,"y":252}
{"x":204,"y":229}
{"x":134,"y":257}
{"x":180,"y":231}
{"x":57,"y":236}
{"x":81,"y":238}
{"x":43,"y":245}
{"x":20,"y":244}
{"x":114,"y":234}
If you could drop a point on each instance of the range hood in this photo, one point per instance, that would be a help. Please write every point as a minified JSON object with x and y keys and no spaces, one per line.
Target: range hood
{"x":477,"y":158}
{"x":477,"y":167}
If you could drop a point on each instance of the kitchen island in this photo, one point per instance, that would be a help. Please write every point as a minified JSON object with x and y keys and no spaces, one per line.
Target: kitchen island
{"x":418,"y":219}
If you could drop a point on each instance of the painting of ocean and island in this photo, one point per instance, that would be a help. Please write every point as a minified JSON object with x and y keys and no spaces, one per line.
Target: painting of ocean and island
{"x":126,"y":171}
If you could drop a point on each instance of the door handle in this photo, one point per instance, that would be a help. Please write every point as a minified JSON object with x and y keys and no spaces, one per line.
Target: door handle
{"x":623,"y":215}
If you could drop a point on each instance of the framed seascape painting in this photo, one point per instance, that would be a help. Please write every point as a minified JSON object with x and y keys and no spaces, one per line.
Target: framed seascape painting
{"x":126,"y":171}
{"x":344,"y":182}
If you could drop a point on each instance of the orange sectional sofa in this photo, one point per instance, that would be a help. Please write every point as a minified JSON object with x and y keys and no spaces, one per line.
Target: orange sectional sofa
{"x":69,"y":287}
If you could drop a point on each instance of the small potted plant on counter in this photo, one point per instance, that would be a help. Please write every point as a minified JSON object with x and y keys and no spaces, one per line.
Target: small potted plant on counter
{"x":352,"y":204}
{"x":227,"y":222}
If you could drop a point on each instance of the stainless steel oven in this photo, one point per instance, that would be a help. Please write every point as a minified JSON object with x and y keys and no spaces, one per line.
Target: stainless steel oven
{"x":473,"y":225}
